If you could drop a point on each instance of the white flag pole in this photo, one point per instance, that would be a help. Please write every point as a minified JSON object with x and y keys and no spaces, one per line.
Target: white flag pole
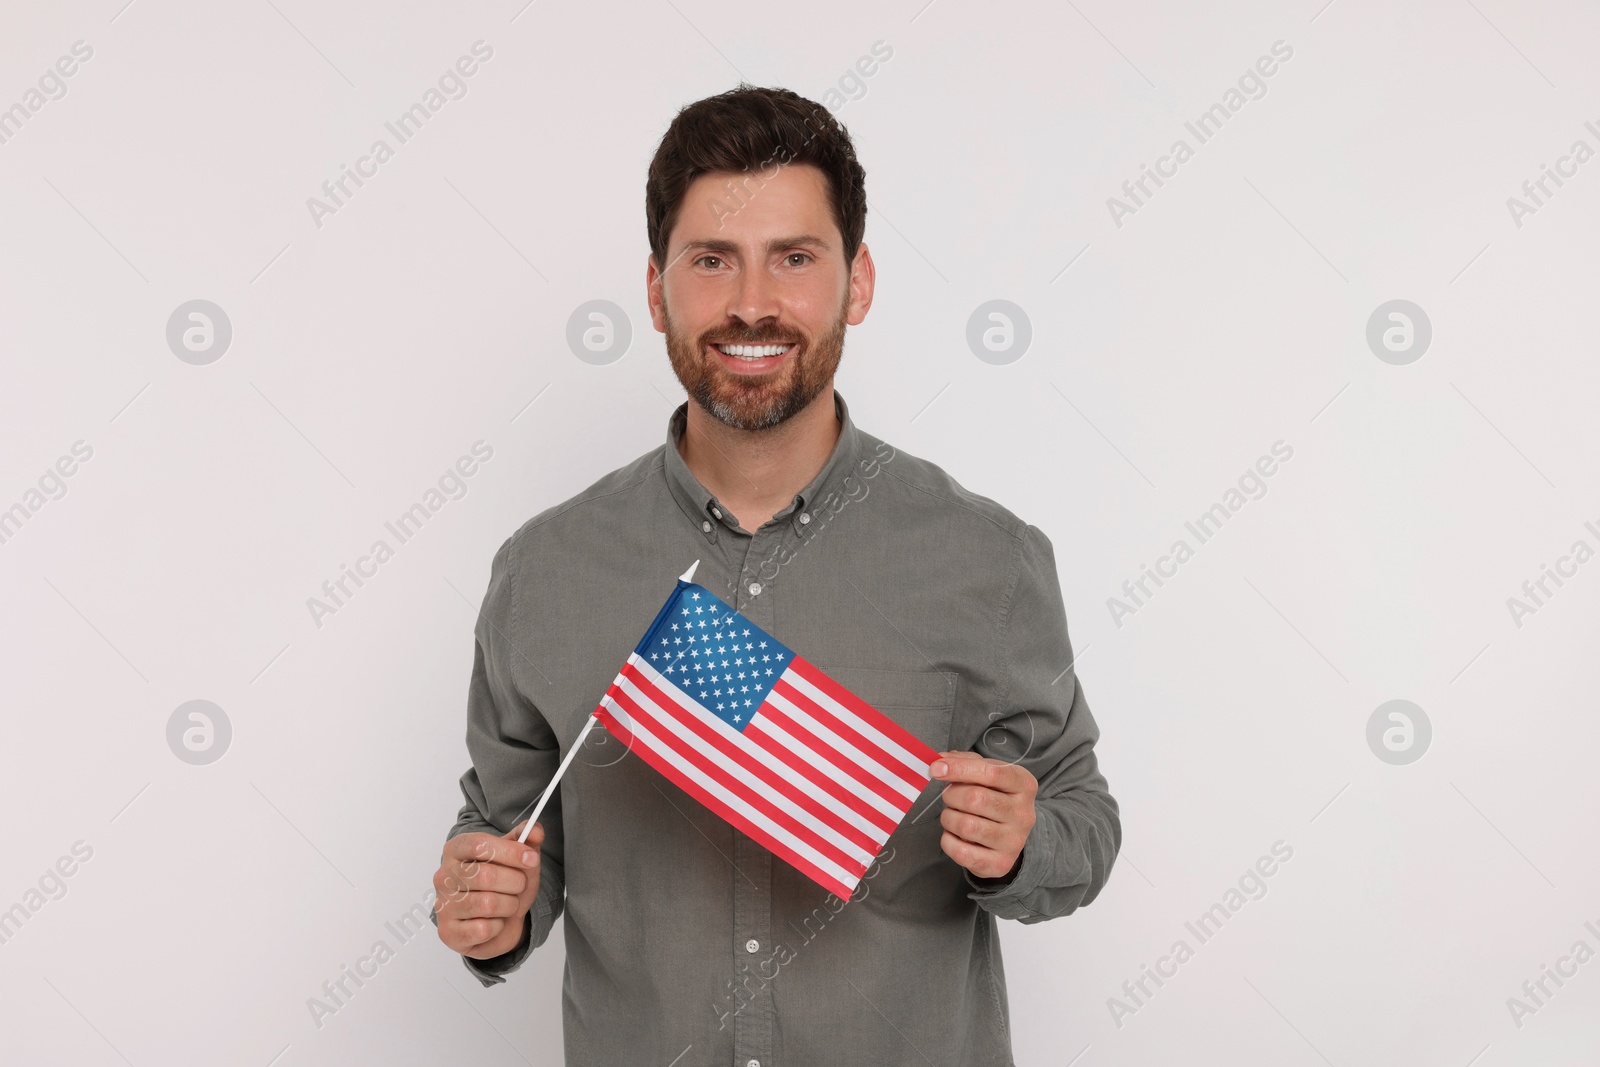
{"x":550,"y":789}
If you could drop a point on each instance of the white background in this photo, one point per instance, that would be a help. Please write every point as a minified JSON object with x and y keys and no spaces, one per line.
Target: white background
{"x":1229,"y":312}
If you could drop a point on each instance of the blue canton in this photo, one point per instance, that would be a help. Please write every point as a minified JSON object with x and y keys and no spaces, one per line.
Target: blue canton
{"x":721,"y":659}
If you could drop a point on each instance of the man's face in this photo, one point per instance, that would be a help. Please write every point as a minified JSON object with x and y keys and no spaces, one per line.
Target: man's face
{"x":756,"y":294}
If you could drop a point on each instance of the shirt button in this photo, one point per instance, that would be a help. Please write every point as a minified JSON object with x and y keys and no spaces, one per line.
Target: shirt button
{"x":705,"y":527}
{"x":755,"y":588}
{"x":805,"y":517}
{"x":752,"y":945}
{"x":753,"y":1063}
{"x":716,"y":512}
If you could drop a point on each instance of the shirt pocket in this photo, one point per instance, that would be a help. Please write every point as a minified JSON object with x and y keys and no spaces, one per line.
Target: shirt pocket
{"x":921,"y":701}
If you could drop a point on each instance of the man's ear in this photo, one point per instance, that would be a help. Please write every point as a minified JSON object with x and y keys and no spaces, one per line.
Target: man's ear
{"x":655,"y":297}
{"x":863,"y":279}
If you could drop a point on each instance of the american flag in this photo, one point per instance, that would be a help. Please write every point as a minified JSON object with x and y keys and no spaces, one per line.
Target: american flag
{"x":764,"y":739}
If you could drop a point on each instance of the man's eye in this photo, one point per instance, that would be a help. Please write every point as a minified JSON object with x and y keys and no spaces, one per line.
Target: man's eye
{"x":702,"y":259}
{"x":798,"y":255}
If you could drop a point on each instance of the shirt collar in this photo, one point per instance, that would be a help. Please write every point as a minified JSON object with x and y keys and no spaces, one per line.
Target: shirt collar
{"x":709,"y":514}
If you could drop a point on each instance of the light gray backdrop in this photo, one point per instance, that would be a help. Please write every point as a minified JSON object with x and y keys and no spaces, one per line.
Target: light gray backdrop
{"x":1158,"y":342}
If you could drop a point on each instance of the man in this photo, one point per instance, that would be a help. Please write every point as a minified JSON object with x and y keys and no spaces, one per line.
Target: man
{"x":687,"y":942}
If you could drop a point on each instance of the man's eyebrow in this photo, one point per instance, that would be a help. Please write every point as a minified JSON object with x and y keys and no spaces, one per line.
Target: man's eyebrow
{"x":717,"y":244}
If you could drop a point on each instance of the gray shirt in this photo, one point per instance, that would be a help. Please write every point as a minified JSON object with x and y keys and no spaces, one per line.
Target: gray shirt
{"x":689,"y":943}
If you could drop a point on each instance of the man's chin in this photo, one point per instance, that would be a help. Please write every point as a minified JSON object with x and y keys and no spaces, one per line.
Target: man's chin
{"x":744,"y":416}
{"x":748,"y":409}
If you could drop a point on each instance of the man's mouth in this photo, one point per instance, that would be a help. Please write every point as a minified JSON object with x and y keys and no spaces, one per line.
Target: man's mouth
{"x":752,"y":359}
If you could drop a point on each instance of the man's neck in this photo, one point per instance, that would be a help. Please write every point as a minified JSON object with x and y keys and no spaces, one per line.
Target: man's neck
{"x":756,"y":473}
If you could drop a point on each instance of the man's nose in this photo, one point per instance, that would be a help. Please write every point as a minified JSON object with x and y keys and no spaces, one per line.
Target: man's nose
{"x":755,"y":297}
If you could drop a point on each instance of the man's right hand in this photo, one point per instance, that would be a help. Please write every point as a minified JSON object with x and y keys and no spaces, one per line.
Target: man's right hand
{"x":485,"y":886}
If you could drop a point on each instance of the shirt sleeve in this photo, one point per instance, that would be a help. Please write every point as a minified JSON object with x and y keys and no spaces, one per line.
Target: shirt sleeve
{"x":1043,"y":715}
{"x":514,"y":755}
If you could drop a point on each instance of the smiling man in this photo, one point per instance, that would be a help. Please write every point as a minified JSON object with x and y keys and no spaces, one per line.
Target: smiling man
{"x":687,"y":942}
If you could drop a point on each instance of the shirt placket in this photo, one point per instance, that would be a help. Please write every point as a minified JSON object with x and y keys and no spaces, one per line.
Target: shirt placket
{"x":752,"y":877}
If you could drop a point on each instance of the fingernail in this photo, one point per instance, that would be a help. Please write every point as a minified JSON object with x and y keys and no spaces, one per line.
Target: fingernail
{"x":939,"y":768}
{"x":530,"y":858}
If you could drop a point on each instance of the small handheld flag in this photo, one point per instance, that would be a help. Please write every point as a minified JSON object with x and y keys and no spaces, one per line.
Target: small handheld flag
{"x":762,"y":738}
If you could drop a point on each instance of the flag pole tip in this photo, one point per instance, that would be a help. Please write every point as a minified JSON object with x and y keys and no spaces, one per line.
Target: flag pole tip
{"x":688,"y":575}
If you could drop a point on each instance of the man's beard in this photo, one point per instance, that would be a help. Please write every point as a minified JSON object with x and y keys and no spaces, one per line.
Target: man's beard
{"x":755,"y":402}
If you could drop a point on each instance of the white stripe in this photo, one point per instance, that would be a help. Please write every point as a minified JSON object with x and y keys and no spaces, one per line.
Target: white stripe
{"x":776,"y":765}
{"x":739,"y":773}
{"x":710,"y":785}
{"x":773,"y":729}
{"x":855,"y":755}
{"x":856,"y":722}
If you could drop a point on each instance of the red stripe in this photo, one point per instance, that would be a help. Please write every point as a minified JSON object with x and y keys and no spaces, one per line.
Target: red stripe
{"x":835,"y":757}
{"x":756,"y":731}
{"x":849,"y":733}
{"x":734,"y":752}
{"x":803,"y":767}
{"x":891,"y":729}
{"x":738,"y":788}
{"x":842,"y":890}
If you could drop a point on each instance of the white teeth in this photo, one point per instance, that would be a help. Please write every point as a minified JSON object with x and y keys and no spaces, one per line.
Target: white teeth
{"x":752,"y":351}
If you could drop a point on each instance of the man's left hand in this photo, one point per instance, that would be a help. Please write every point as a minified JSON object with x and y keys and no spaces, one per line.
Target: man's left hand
{"x":988,"y":811}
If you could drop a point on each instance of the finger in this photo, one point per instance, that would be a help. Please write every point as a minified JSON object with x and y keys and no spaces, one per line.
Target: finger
{"x":456,"y":879}
{"x":982,"y":801}
{"x":468,"y":933}
{"x":1005,"y":777}
{"x":487,"y":878}
{"x":982,"y":862}
{"x":487,"y":906}
{"x":974,"y":830}
{"x":487,"y":848}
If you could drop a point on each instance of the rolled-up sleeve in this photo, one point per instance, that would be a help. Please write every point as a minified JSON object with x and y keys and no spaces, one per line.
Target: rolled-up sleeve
{"x":514,"y":755}
{"x":1043,"y":714}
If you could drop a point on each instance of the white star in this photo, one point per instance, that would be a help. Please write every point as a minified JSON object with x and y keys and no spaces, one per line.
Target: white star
{"x":763,"y":644}
{"x":747,"y":703}
{"x":736,"y":718}
{"x":694,"y":596}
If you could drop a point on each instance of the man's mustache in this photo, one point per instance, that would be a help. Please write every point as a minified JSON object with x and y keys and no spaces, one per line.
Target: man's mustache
{"x":753,"y":341}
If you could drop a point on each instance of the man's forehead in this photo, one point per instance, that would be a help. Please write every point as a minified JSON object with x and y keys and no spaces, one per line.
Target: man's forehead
{"x":730,"y":209}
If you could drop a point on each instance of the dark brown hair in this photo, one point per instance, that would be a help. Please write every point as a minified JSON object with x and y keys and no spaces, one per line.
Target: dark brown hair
{"x":753,"y":130}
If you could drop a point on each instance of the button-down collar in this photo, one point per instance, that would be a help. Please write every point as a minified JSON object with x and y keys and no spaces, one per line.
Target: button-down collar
{"x":709,"y":514}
